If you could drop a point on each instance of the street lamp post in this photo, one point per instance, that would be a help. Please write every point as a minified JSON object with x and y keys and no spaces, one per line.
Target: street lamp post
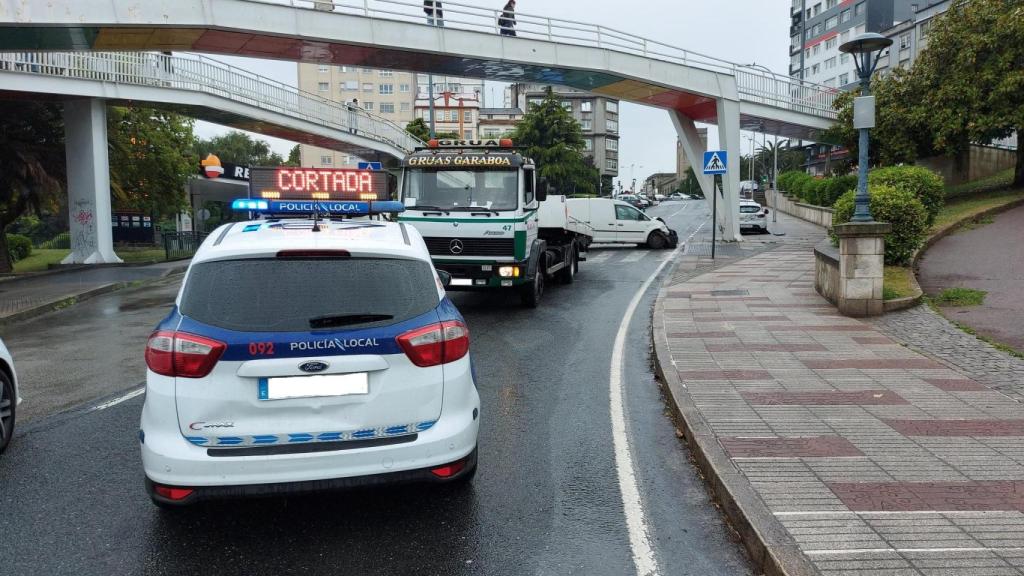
{"x":866,"y":50}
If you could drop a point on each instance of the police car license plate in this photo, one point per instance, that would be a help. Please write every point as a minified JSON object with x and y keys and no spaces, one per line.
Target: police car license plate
{"x":314,"y":386}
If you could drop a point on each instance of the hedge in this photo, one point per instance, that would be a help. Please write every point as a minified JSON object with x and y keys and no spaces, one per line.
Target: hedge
{"x":921,"y":182}
{"x":898,"y":207}
{"x":19,"y":247}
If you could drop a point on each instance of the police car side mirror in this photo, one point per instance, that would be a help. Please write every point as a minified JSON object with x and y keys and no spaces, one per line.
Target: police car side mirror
{"x":446,"y":278}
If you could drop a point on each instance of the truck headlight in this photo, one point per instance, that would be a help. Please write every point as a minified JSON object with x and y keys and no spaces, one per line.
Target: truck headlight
{"x":509,"y":271}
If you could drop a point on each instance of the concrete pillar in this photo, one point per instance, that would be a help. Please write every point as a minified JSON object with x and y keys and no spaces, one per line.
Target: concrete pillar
{"x":693,"y":147}
{"x":85,"y":135}
{"x":729,"y":140}
{"x":861,"y":267}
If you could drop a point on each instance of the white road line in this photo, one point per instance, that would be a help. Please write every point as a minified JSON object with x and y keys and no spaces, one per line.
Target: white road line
{"x":685,"y":206}
{"x":123,"y":398}
{"x":919,"y":550}
{"x":636,"y":256}
{"x":636,"y":522}
{"x":601,"y":257}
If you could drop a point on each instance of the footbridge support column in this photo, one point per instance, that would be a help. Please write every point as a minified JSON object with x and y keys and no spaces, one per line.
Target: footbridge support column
{"x":729,"y":140}
{"x":88,"y":172}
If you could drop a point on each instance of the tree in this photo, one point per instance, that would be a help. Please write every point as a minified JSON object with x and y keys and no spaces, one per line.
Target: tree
{"x":554,"y":139}
{"x":150,"y":159}
{"x":294,"y":157}
{"x":239,"y":148}
{"x":421,"y":129}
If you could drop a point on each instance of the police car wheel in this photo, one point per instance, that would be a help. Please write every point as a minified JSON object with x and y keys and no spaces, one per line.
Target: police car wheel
{"x":8,"y":403}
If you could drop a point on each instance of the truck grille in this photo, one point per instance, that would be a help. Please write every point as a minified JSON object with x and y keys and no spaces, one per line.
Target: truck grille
{"x":471,"y":246}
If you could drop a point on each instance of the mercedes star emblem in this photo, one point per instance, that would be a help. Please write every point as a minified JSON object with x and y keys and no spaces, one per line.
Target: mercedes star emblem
{"x":456,"y":247}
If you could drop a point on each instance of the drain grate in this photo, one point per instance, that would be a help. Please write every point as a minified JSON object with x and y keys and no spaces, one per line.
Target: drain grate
{"x":730,"y":293}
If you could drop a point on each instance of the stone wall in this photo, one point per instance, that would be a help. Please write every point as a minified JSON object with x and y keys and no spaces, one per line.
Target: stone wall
{"x":826,"y":275}
{"x":980,"y":162}
{"x":789,"y":205}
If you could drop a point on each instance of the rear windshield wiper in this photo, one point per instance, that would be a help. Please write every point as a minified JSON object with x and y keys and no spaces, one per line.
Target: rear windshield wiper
{"x":346,"y":320}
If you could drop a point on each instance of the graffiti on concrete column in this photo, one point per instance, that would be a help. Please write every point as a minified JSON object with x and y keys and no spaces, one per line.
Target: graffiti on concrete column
{"x":83,"y":232}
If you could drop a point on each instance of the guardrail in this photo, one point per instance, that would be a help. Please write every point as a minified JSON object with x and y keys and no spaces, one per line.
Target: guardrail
{"x":198,"y":73}
{"x":754,"y":85}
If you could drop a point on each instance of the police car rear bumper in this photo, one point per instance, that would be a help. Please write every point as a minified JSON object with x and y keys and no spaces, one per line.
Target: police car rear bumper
{"x":170,"y":460}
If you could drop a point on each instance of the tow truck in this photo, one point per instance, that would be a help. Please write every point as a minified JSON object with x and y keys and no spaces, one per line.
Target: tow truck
{"x":488,"y":220}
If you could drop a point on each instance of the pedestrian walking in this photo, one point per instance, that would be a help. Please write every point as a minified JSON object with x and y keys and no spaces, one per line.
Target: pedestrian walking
{"x":353,"y":116}
{"x":435,"y":15}
{"x":507,"y":22}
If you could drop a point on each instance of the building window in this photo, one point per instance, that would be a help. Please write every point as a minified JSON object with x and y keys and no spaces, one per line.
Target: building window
{"x":386,"y":73}
{"x":367,"y":71}
{"x":844,"y":58}
{"x":403,"y":88}
{"x":567,"y":105}
{"x":844,"y":37}
{"x":586,"y":125}
{"x":368,"y":106}
{"x":323,"y":86}
{"x":611,"y":144}
{"x":830,"y":4}
{"x":816,"y":29}
{"x":844,"y":79}
{"x":468,"y":134}
{"x":467,"y":116}
{"x":831,"y":82}
{"x":344,"y":69}
{"x":844,"y":16}
{"x":816,"y":50}
{"x":588,"y":144}
{"x":831,"y":22}
{"x":817,"y":9}
{"x":346,"y":160}
{"x":807,"y":53}
{"x":387,"y":108}
{"x":612,"y":125}
{"x":816,"y":68}
{"x":611,"y":164}
{"x":385,"y":89}
{"x":531,"y":102}
{"x":924,"y":28}
{"x":350,"y":85}
{"x":326,"y":160}
{"x":831,"y":43}
{"x":858,"y":9}
{"x":367,"y":87}
{"x":586,"y":106}
{"x":830,"y":63}
{"x":610,"y":106}
{"x":904,"y":41}
{"x":406,"y":106}
{"x":323,"y":69}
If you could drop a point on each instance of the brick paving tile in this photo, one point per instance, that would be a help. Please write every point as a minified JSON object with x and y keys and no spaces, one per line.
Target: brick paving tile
{"x":872,"y":340}
{"x":725,"y":375}
{"x":848,"y":328}
{"x":955,"y":385}
{"x":833,"y":398}
{"x":873,"y":364}
{"x":766,"y":347}
{"x":958,"y":427}
{"x":920,"y":496}
{"x":822,"y":446}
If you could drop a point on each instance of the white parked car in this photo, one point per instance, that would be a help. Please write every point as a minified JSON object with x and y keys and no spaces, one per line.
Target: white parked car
{"x":9,"y":398}
{"x":753,"y":216}
{"x":617,"y":221}
{"x":659,"y":197}
{"x":305,"y":356}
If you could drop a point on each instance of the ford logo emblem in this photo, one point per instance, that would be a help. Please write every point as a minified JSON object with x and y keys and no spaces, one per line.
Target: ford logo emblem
{"x":314,"y":367}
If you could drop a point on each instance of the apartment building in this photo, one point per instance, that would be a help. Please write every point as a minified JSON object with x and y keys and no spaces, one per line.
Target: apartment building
{"x":499,"y":122}
{"x":682,"y":161}
{"x":457,"y":104}
{"x":819,"y":27}
{"x":597,"y":115}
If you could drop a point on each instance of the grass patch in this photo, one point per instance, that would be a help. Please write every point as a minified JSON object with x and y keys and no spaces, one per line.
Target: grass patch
{"x":966,"y":208}
{"x":976,"y":223}
{"x":141,"y":255}
{"x":1001,"y":180}
{"x":40,"y":260}
{"x":961,"y":297}
{"x":897,"y":283}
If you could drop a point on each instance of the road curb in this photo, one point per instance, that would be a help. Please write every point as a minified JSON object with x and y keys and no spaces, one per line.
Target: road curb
{"x":772,"y":550}
{"x":71,"y":300}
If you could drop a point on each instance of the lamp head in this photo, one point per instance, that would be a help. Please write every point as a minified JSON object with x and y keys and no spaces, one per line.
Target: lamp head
{"x":865,"y":43}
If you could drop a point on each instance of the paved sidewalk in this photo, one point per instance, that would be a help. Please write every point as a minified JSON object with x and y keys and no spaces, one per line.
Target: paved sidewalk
{"x":841,"y":450}
{"x":25,"y":297}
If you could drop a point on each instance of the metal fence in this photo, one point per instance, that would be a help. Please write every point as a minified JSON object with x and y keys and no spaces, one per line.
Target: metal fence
{"x":182,"y":245}
{"x":198,"y":73}
{"x":761,"y":86}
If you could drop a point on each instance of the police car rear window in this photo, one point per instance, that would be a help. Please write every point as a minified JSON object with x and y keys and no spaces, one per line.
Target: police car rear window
{"x":271,"y":295}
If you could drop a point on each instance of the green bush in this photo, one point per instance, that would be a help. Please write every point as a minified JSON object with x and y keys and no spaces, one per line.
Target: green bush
{"x":836,"y":187}
{"x":20,"y":247}
{"x":898,"y":207}
{"x":926,"y":185}
{"x":792,"y":182}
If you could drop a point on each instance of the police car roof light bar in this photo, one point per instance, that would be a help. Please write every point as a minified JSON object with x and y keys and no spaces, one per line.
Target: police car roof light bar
{"x":318,"y":208}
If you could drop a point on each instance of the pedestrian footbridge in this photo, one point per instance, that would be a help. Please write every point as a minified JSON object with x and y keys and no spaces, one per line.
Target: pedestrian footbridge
{"x":395,"y":34}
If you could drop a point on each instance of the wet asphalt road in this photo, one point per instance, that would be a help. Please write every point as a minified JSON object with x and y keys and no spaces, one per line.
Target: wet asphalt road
{"x":989,"y":258}
{"x":545,"y":501}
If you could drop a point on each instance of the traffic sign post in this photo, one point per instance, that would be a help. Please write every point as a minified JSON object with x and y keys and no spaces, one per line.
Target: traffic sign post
{"x":716,"y":163}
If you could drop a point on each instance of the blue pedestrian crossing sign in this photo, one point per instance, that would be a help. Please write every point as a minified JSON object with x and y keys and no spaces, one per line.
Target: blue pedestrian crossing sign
{"x":371,"y":166}
{"x":716,"y":162}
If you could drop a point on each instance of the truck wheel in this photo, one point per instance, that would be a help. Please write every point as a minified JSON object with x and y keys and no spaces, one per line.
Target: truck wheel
{"x":532,"y":292}
{"x":567,"y":275}
{"x":657,"y":241}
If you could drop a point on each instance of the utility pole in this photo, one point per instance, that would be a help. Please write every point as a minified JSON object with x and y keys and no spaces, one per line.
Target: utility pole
{"x":775,"y":182}
{"x":803,"y":34}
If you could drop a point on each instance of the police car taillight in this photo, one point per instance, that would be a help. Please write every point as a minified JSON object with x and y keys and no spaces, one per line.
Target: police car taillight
{"x":182,"y":355}
{"x":436,"y":344}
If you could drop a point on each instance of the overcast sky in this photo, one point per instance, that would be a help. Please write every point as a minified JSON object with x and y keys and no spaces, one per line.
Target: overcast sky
{"x":741,"y":31}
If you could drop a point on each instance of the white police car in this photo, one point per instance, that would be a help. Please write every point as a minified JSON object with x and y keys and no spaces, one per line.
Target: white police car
{"x":306,"y":355}
{"x":9,"y":398}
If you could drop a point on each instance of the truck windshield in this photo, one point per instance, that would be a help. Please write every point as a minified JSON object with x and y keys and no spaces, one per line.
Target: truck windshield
{"x":461,"y":189}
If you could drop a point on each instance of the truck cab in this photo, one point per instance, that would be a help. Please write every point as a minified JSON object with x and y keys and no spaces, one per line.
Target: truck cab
{"x":476,"y":203}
